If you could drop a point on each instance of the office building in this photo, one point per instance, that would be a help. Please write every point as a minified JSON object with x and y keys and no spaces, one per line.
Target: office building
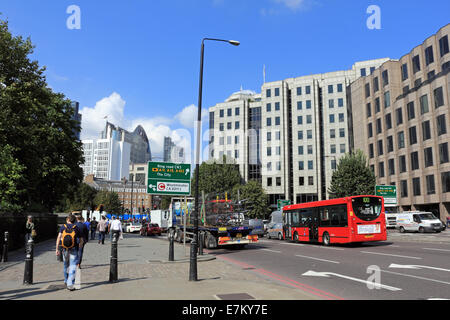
{"x":400,"y":118}
{"x":291,"y":135}
{"x":76,"y":116}
{"x":172,"y":152}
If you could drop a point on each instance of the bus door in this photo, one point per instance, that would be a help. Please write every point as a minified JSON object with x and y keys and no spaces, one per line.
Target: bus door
{"x":287,"y":225}
{"x":313,"y":225}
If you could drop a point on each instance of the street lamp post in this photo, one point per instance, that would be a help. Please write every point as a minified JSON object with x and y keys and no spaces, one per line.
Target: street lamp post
{"x":193,"y":252}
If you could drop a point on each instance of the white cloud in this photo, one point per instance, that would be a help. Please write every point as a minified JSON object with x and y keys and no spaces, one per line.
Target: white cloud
{"x":188,"y":116}
{"x":292,"y":4}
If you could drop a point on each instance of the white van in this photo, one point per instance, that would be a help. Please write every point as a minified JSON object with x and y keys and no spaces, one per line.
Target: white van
{"x":418,"y":221}
{"x":161,"y":217}
{"x":391,"y":219}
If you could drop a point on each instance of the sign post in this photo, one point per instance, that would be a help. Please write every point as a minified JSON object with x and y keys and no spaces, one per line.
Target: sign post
{"x":389,"y":193}
{"x":169,"y":179}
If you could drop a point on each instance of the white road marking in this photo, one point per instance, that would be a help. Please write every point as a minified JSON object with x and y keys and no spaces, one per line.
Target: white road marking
{"x":417,"y":277}
{"x":271,"y":250}
{"x":293,"y":244}
{"x":297,"y":255}
{"x":399,"y":266}
{"x":391,"y":255}
{"x":331,"y":248}
{"x":328,"y":274}
{"x":436,"y":249}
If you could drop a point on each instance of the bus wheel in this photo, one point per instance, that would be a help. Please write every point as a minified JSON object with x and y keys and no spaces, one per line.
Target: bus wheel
{"x":326,"y":239}
{"x":280,"y":236}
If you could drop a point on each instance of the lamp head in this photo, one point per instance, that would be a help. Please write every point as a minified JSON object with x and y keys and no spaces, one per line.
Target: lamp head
{"x":234,"y":42}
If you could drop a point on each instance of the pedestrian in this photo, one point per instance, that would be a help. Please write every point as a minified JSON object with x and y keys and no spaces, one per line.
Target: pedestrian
{"x":94,"y":224}
{"x":88,"y":224}
{"x":101,"y":227}
{"x":85,"y":235}
{"x":115,"y":227}
{"x":30,"y":229}
{"x":70,"y":239}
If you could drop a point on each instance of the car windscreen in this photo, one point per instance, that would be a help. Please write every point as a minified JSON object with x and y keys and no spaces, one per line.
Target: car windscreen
{"x":366,"y":208}
{"x":427,"y":216}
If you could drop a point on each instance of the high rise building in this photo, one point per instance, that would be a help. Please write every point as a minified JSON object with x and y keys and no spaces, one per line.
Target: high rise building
{"x":140,"y":146}
{"x":77,"y":116}
{"x":172,"y":152}
{"x":290,"y":136}
{"x":400,"y":119}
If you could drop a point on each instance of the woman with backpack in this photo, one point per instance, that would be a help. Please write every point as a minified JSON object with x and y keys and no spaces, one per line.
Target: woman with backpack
{"x":69,"y":238}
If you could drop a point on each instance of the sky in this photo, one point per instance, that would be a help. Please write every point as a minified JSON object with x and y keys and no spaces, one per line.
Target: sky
{"x":137,"y":61}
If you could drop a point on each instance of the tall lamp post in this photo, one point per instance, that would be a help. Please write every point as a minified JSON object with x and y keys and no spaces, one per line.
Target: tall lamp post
{"x":193,"y":252}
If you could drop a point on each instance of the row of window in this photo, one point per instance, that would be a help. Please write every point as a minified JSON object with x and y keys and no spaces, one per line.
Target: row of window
{"x":414,"y":160}
{"x":301,"y":181}
{"x":430,"y":185}
{"x":229,"y":112}
{"x":229,"y":126}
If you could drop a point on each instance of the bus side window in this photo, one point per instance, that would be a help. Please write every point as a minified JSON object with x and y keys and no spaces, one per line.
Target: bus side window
{"x":324,"y":217}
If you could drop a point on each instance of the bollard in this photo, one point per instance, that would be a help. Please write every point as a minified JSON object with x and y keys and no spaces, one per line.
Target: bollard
{"x":5,"y":247}
{"x":113,"y":267}
{"x":200,"y":243}
{"x":28,"y":274}
{"x":171,"y":236}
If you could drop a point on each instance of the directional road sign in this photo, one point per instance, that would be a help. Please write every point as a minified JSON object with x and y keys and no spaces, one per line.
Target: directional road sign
{"x":169,"y":178}
{"x":389,"y":193}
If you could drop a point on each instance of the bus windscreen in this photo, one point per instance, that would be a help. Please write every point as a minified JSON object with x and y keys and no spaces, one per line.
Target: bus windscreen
{"x":367,"y":208}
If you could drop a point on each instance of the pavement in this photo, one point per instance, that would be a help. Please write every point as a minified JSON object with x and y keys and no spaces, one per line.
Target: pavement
{"x":144,"y":273}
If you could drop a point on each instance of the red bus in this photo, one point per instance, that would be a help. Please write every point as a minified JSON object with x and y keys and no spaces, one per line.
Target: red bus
{"x":344,"y":220}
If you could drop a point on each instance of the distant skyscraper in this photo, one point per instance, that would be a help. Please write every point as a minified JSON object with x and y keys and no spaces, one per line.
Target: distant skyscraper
{"x":77,"y":116}
{"x":172,"y":152}
{"x":140,"y":146}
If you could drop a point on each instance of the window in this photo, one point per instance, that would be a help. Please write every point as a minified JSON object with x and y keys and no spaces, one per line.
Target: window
{"x":332,"y":133}
{"x":390,"y":144}
{"x":300,"y":150}
{"x":410,"y":110}
{"x":381,"y":169}
{"x":221,"y":113}
{"x":277,"y":135}
{"x":278,"y":151}
{"x":310,"y":149}
{"x":236,"y":125}
{"x":401,"y":139}
{"x":376,"y":86}
{"x":429,"y":58}
{"x":332,"y":148}
{"x":340,"y":102}
{"x":399,"y":116}
{"x":236,"y":111}
{"x":300,"y":135}
{"x":412,"y":135}
{"x":416,"y":186}
{"x":309,"y":134}
{"x":310,"y":181}
{"x":402,"y":164}
{"x":308,"y":89}
{"x":331,"y":118}
{"x":236,"y":154}
{"x":380,"y":147}
{"x":236,"y":140}
{"x":379,"y":127}
{"x":416,"y":63}
{"x":308,"y":119}
{"x":443,"y":45}
{"x":342,"y":132}
{"x":269,"y":122}
{"x":342,"y":148}
{"x":330,"y":88}
{"x":377,"y":105}
{"x":391,"y":167}
{"x":438,"y":97}
{"x":301,"y":165}
{"x":277,"y":92}
{"x":387,"y":99}
{"x":269,"y":136}
{"x":229,"y":112}
{"x":229,"y":125}
{"x":430,"y":184}
{"x":277,"y":121}
{"x":339,"y":87}
{"x":268,"y":107}
{"x":371,"y":153}
{"x":424,"y":104}
{"x":431,"y":74}
{"x":404,"y":188}
{"x":428,"y":156}
{"x":367,"y":90}
{"x":278,"y":165}
{"x":445,"y":176}
{"x":221,"y":126}
{"x":341,"y":117}
{"x":426,"y":131}
{"x":277,"y":106}
{"x":363,"y":72}
{"x":443,"y":153}
{"x":299,"y":120}
{"x":269,"y":151}
{"x":404,"y":72}
{"x":385,"y":77}
{"x":268,"y":93}
{"x":301,"y":181}
{"x":310,"y":165}
{"x":269,"y":182}
{"x":388,"y":121}
{"x":369,"y":110}
{"x":331,"y":103}
{"x":278,"y":181}
{"x":229,"y":140}
{"x":441,"y":127}
{"x":308,"y":104}
{"x":299,"y":91}
{"x":299,"y":105}
{"x":414,"y":160}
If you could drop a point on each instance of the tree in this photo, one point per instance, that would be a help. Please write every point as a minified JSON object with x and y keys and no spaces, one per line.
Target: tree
{"x":79,"y":198}
{"x":38,"y":125}
{"x":217,"y":177}
{"x":254,"y":199}
{"x":109,"y":200}
{"x":10,"y":177}
{"x":352,"y":177}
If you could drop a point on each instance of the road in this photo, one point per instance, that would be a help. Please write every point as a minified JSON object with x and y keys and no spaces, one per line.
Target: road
{"x":406,"y":267}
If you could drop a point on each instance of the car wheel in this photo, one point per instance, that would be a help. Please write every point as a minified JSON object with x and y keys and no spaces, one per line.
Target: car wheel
{"x":421,"y":230}
{"x":326,"y":239}
{"x":402,"y":230}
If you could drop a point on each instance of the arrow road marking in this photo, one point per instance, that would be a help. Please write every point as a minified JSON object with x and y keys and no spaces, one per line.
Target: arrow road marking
{"x":400,"y":266}
{"x":328,"y":274}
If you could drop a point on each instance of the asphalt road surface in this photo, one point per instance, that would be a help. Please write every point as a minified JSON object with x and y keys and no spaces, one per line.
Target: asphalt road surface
{"x":405,"y":267}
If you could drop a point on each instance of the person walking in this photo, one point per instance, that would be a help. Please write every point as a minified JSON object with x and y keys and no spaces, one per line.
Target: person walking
{"x":115,"y":227}
{"x":70,"y":239}
{"x":88,"y":224}
{"x":94,"y":224}
{"x":101,"y":227}
{"x":85,"y":235}
{"x":30,"y":230}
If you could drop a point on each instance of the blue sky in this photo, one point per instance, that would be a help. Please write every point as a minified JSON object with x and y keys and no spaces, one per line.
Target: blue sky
{"x":138,"y":61}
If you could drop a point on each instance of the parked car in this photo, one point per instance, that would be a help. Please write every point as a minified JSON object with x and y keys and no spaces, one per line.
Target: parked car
{"x":150,"y":229}
{"x":133,"y":227}
{"x":275,"y":230}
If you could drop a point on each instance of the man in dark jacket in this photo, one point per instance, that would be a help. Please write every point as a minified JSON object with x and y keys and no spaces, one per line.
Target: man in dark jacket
{"x":94,"y":224}
{"x":85,"y":235}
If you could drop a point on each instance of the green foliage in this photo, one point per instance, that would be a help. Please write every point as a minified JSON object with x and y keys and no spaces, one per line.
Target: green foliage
{"x":38,"y":126}
{"x":254,"y":199}
{"x":109,"y":200}
{"x":352,"y":177}
{"x":10,"y":177}
{"x":217,"y":177}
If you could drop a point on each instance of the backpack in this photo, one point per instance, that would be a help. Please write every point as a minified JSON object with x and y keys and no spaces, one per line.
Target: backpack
{"x":68,"y":240}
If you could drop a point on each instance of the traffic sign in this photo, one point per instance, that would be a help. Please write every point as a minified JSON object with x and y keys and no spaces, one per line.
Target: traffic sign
{"x":389,"y":193}
{"x":282,"y":203}
{"x":169,"y":178}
